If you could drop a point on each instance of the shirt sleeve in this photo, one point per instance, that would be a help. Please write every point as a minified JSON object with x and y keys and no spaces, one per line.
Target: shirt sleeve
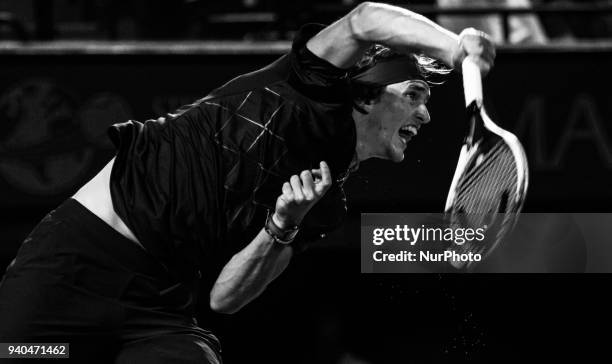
{"x":315,"y":77}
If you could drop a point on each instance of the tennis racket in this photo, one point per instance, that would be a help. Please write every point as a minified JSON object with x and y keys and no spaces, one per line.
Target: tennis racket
{"x":490,"y":182}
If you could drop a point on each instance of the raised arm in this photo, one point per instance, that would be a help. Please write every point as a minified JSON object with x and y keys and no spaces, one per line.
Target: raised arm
{"x":343,"y":42}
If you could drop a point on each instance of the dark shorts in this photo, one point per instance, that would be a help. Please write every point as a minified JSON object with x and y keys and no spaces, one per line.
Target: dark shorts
{"x":77,"y":280}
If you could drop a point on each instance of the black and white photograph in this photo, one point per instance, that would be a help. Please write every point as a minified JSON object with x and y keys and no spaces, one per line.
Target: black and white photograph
{"x":305,"y":182}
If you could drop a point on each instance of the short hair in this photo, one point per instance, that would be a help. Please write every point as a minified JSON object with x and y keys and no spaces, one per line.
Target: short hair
{"x":430,"y":70}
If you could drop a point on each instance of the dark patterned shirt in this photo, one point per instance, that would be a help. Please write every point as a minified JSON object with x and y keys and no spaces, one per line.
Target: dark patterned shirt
{"x":195,"y":186}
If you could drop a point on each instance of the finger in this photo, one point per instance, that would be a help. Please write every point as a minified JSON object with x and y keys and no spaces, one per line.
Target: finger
{"x":296,"y":185}
{"x":488,"y":51}
{"x":489,"y":59}
{"x":287,"y":190}
{"x":484,"y":67}
{"x":486,"y":37}
{"x":326,"y":179}
{"x":307,"y":185}
{"x":492,"y":51}
{"x":476,"y":42}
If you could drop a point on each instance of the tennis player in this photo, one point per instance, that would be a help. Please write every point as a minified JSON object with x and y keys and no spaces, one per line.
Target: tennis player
{"x":212,"y":201}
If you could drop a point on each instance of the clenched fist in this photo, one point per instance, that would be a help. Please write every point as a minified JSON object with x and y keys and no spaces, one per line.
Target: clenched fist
{"x":476,"y":45}
{"x":300,"y":194}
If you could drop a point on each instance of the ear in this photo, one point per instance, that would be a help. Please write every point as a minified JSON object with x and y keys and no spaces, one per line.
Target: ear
{"x":363,"y":107}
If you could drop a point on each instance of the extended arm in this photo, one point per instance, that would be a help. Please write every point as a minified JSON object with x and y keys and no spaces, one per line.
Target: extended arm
{"x":249,"y":271}
{"x":343,"y":42}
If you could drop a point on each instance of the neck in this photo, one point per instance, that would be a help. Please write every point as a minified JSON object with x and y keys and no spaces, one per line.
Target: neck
{"x":363,"y":149}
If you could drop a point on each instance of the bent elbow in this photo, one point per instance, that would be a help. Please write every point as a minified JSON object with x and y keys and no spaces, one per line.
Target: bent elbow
{"x":220,"y":305}
{"x":365,"y":6}
{"x":374,"y":22}
{"x":360,"y":20}
{"x":221,"y":308}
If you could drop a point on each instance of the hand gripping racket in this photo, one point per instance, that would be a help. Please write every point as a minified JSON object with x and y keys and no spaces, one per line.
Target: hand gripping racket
{"x":491,"y":178}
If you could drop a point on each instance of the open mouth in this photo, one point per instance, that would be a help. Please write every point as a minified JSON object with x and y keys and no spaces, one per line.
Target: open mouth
{"x":407,"y":132}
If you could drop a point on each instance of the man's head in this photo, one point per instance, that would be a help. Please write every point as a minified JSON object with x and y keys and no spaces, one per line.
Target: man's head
{"x":390,"y":92}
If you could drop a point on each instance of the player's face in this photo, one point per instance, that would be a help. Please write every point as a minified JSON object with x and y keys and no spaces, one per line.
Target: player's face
{"x":397,"y":117}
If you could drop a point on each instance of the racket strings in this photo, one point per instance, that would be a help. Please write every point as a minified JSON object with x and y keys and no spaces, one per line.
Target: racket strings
{"x":487,"y":189}
{"x":478,"y":172}
{"x":488,"y":158}
{"x":483,"y":247}
{"x":480,"y":190}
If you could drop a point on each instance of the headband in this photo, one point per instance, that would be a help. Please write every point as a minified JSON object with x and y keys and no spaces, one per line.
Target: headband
{"x":388,"y":71}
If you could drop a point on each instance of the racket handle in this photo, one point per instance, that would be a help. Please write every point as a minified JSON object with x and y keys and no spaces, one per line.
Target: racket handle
{"x":472,"y":81}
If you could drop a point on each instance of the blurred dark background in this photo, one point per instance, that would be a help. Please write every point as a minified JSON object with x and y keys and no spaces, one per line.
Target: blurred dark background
{"x":71,"y":68}
{"x":547,"y":20}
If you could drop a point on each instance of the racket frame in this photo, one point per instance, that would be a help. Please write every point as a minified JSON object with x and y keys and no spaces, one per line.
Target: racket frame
{"x":472,"y":86}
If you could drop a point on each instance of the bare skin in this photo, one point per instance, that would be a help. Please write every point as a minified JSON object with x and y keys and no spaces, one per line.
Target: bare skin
{"x":392,"y":121}
{"x":402,"y":105}
{"x":95,"y":196}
